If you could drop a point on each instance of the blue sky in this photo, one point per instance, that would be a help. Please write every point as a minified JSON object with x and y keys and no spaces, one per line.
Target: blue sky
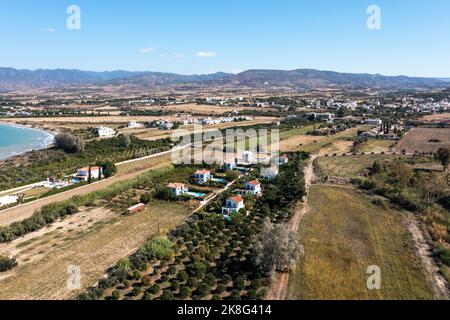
{"x":205,"y":36}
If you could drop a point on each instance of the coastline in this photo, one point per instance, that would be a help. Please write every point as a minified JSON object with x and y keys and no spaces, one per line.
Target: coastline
{"x":41,"y":143}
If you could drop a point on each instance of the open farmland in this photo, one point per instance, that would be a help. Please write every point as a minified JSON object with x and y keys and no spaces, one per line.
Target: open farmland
{"x":425,"y":140}
{"x":343,"y":235}
{"x":201,"y":108}
{"x":93,"y":241}
{"x":348,"y":166}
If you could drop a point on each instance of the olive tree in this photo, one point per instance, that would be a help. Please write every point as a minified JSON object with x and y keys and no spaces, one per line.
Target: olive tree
{"x":277,"y":248}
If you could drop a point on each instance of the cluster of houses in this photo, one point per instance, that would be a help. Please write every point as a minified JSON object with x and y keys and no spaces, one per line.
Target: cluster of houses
{"x":234,"y":203}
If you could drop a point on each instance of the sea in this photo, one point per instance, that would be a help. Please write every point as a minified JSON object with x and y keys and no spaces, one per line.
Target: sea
{"x":15,"y":140}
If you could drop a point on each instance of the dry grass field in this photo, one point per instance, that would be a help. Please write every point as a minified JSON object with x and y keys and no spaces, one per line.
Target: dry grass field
{"x":376,"y":146}
{"x":425,"y":140}
{"x":437,"y":117}
{"x":348,"y":166}
{"x":201,"y":109}
{"x":93,"y":241}
{"x":343,"y":235}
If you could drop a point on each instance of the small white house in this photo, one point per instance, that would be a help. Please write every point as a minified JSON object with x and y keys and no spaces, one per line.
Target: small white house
{"x":284,"y":159}
{"x":202,"y":176}
{"x":83,"y":173}
{"x":253,"y":187}
{"x":178,"y":189}
{"x":229,"y":166}
{"x":105,"y":132}
{"x":134,"y":124}
{"x":247,"y":157}
{"x":233,"y":205}
{"x":269,"y":173}
{"x":374,"y":122}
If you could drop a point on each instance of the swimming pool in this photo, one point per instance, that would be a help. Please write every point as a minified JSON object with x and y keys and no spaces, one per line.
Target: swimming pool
{"x":220,"y":180}
{"x":196,"y":194}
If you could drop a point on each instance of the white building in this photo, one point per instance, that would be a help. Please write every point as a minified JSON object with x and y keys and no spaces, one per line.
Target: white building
{"x":253,"y":187}
{"x":83,"y":173}
{"x":178,"y":189}
{"x":105,"y":132}
{"x":202,"y":176}
{"x":233,"y":205}
{"x":269,"y":173}
{"x":374,"y":122}
{"x":134,"y":124}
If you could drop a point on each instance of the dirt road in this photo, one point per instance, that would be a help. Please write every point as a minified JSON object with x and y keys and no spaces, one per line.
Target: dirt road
{"x":437,"y":283}
{"x":280,"y":283}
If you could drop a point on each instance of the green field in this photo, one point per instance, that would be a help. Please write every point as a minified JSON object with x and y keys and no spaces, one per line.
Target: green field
{"x":342,"y":236}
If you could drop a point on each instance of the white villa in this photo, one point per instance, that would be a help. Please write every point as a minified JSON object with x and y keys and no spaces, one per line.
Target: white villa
{"x":229,"y":166}
{"x":83,"y":173}
{"x":202,"y":176}
{"x":105,"y":132}
{"x":253,"y":187}
{"x":247,"y":157}
{"x":178,"y":189}
{"x":134,"y":124}
{"x":284,"y":159}
{"x":374,"y":122}
{"x":233,"y":205}
{"x":269,"y":173}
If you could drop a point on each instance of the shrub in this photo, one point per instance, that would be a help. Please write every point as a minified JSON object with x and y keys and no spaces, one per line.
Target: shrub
{"x":109,"y":169}
{"x":146,"y":281}
{"x":7,"y":263}
{"x":68,"y":142}
{"x":167,"y":295}
{"x":146,"y":198}
{"x":155,"y":289}
{"x":203,"y":290}
{"x":115,"y":295}
{"x":182,"y":276}
{"x":185,"y":292}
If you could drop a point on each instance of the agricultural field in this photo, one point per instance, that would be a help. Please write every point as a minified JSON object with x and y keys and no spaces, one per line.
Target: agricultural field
{"x":93,"y":240}
{"x":347,"y":231}
{"x":424,"y":140}
{"x":439,"y":117}
{"x":376,"y":146}
{"x":349,"y":166}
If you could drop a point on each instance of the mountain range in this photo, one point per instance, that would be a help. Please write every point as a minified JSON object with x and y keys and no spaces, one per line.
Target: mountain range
{"x":298,"y":80}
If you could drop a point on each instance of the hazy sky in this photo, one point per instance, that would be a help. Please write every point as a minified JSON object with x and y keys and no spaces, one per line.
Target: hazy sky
{"x":204,"y":36}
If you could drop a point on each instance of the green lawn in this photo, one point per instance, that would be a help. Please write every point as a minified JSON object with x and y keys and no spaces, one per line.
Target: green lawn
{"x":342,"y":236}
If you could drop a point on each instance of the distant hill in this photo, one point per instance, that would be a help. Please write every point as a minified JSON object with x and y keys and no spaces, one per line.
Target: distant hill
{"x":13,"y":79}
{"x":301,"y":79}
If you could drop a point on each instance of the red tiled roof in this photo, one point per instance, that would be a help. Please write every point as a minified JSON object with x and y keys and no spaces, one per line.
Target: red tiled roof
{"x":203,"y":172}
{"x":237,"y":198}
{"x":87,"y":169}
{"x":176,"y":185}
{"x":254,"y":182}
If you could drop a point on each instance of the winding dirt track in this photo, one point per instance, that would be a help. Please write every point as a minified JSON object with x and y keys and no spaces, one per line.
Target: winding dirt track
{"x":278,"y":290}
